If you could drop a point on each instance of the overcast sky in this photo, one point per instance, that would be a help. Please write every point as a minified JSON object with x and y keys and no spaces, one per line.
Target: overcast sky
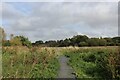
{"x":59,"y":20}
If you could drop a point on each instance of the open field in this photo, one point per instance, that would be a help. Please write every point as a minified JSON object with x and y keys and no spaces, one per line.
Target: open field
{"x":64,"y":39}
{"x":42,"y":62}
{"x":29,"y":63}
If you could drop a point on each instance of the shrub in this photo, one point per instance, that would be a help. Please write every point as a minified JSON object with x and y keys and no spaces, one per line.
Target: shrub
{"x":90,"y":57}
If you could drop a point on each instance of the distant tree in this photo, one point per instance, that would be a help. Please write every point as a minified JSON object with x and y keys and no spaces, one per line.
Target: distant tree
{"x":37,"y":43}
{"x":102,"y":42}
{"x":51,"y":43}
{"x":109,"y":41}
{"x":116,"y":40}
{"x":16,"y":41}
{"x":93,"y":42}
{"x":25,"y":41}
{"x":20,"y":40}
{"x":60,"y":43}
{"x":79,"y":38}
{"x":73,"y":41}
{"x":83,"y":44}
{"x":67,"y":42}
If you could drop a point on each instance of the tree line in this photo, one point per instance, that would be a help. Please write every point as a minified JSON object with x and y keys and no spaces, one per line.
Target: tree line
{"x":78,"y":40}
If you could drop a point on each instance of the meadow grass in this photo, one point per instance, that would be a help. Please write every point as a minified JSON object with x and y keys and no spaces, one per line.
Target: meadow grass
{"x":22,"y":62}
{"x":42,"y":62}
{"x":95,"y":62}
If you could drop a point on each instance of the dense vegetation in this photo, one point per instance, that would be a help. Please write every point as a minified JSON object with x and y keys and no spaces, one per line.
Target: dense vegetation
{"x":80,"y":40}
{"x":23,"y":59}
{"x":22,"y":62}
{"x":95,"y":62}
{"x":37,"y":62}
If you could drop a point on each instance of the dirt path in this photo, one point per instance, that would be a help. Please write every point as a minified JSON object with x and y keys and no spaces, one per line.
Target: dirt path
{"x":65,"y":70}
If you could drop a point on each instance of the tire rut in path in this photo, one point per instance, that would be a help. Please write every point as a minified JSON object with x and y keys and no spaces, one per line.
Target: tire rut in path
{"x":65,"y":70}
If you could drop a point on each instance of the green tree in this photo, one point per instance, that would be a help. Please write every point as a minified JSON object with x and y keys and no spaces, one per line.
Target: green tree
{"x":79,"y":38}
{"x":116,"y":41}
{"x":93,"y":42}
{"x":67,"y":42}
{"x":16,"y":41}
{"x":25,"y":41}
{"x":83,"y":44}
{"x":102,"y":42}
{"x":20,"y":40}
{"x":37,"y":43}
{"x":51,"y":43}
{"x":109,"y":41}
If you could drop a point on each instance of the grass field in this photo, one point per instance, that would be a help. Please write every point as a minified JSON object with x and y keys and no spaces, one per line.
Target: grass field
{"x":95,"y":62}
{"x":21,"y":62}
{"x":42,"y":62}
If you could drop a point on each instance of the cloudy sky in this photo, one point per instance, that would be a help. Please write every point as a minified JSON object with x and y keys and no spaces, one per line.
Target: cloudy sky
{"x":58,"y":20}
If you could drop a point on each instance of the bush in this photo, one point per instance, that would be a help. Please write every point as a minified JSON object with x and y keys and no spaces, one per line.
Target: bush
{"x":95,"y":62}
{"x":83,"y":44}
{"x":90,"y":57}
{"x":24,"y":62}
{"x":109,"y":64}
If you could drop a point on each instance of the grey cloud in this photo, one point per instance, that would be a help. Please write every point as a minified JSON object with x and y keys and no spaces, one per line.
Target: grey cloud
{"x":49,"y":20}
{"x":9,"y":12}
